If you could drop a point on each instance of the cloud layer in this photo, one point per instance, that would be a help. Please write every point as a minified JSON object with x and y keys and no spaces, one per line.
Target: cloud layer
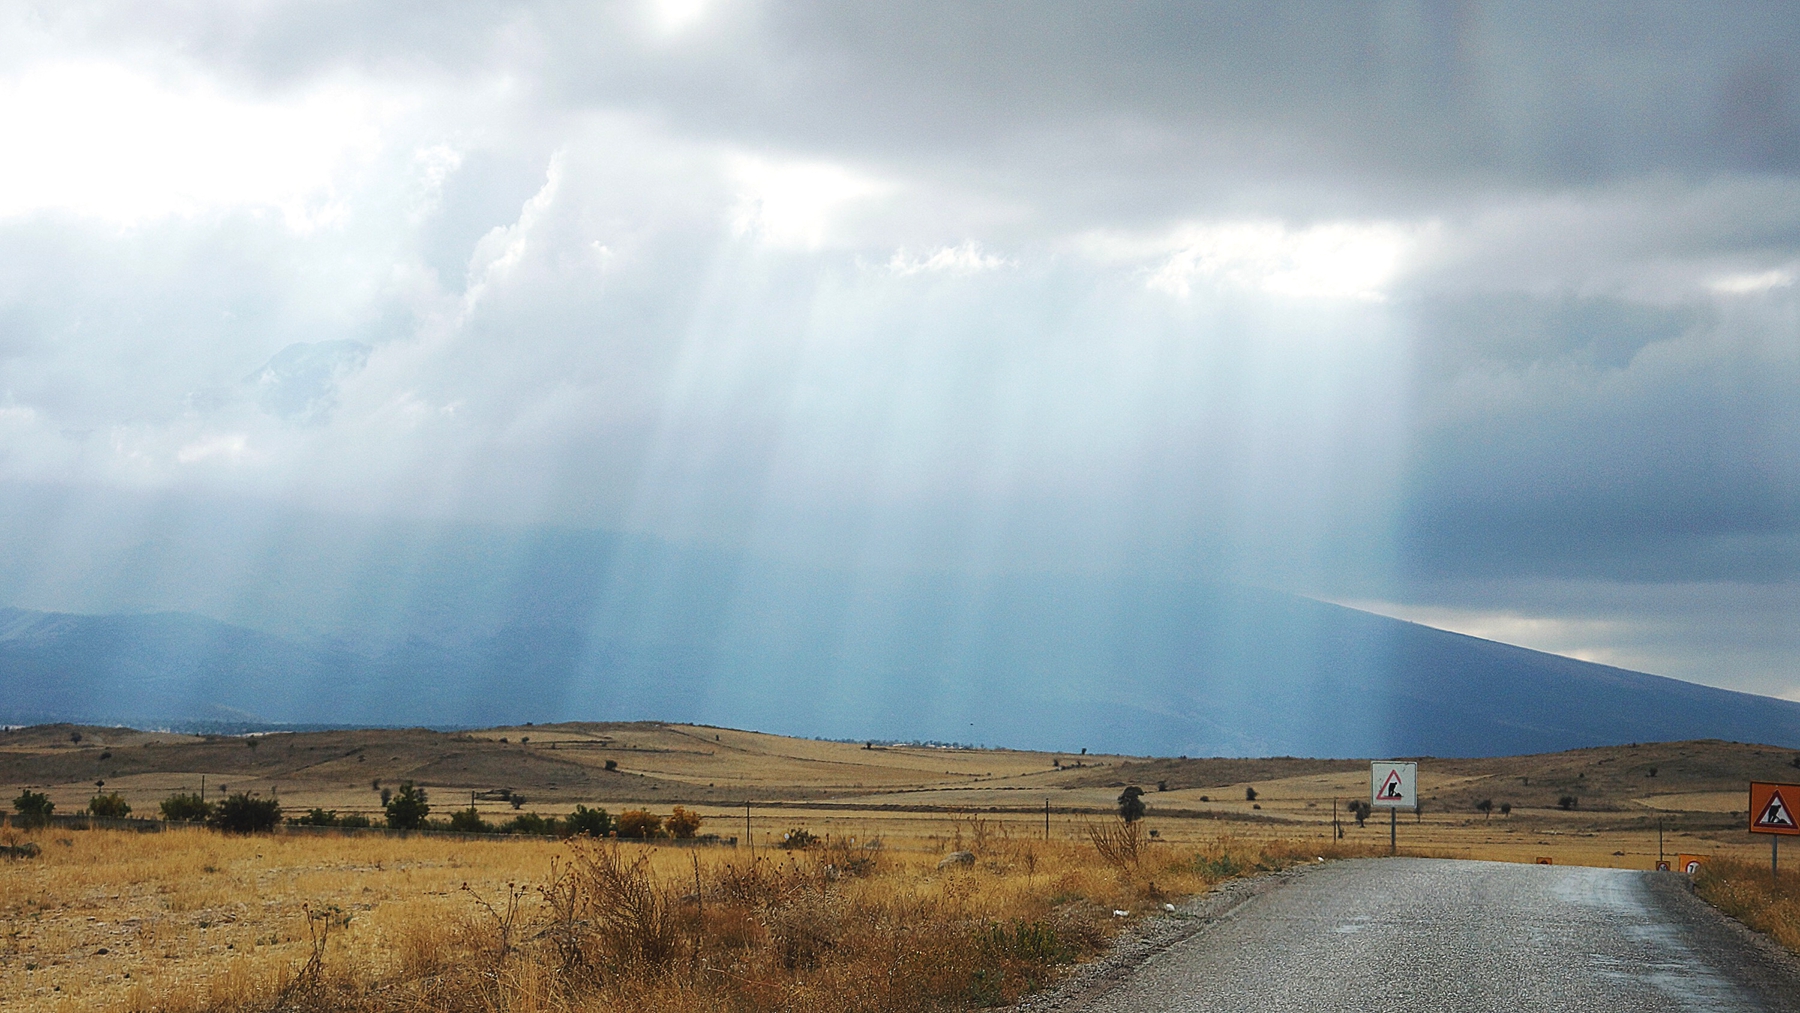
{"x":1419,"y":304}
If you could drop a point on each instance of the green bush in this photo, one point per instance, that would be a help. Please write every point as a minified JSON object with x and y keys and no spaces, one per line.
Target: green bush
{"x":34,"y":808}
{"x":315,"y":818}
{"x":408,"y":808}
{"x":593,"y":822}
{"x":112,"y":806}
{"x":1131,"y":804}
{"x":244,"y":813}
{"x":180,"y":808}
{"x":530,"y":823}
{"x":354,"y":820}
{"x":468,"y":821}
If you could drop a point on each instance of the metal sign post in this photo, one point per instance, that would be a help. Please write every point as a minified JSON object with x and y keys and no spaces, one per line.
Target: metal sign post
{"x":1393,"y":785}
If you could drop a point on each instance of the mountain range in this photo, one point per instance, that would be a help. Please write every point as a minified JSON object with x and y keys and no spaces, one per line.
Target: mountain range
{"x":1147,"y":667}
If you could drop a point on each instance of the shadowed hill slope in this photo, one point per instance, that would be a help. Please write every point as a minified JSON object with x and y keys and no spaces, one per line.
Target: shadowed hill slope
{"x":1050,"y":663}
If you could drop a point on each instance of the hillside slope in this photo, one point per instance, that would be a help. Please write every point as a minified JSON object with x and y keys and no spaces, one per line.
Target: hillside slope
{"x":1152,"y":668}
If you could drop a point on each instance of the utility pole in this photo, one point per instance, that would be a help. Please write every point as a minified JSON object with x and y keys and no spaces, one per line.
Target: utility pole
{"x":751,"y":841}
{"x":1337,"y":832}
{"x":1046,"y":818}
{"x":1393,"y":836}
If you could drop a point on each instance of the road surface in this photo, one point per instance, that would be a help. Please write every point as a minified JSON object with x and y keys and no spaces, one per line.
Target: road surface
{"x":1461,"y":937}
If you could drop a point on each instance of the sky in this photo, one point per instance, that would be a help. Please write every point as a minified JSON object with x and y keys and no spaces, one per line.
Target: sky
{"x":1479,"y":315}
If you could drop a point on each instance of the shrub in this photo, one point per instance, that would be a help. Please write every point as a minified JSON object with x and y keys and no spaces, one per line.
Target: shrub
{"x":407,"y":808}
{"x":1249,"y":794}
{"x":530,"y":823}
{"x":593,"y":822}
{"x":244,"y":813}
{"x":354,"y":820}
{"x":1360,"y":810}
{"x":682,"y":823}
{"x":468,"y":821}
{"x":316,"y":818}
{"x":799,"y":839}
{"x":1506,"y":808}
{"x":637,"y":823}
{"x":181,"y":808}
{"x":1485,"y":807}
{"x":612,"y":765}
{"x":1567,"y":802}
{"x":1131,"y":804}
{"x":111,"y":806}
{"x":34,"y":808}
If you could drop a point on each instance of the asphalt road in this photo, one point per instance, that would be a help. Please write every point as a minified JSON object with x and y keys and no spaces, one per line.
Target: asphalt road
{"x":1459,"y":937}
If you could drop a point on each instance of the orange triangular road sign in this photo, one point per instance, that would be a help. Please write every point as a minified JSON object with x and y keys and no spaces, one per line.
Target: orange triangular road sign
{"x":1390,"y":788}
{"x":1776,"y":815}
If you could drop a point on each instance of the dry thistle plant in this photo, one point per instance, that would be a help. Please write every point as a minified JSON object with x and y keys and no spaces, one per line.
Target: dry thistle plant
{"x":1118,"y":842}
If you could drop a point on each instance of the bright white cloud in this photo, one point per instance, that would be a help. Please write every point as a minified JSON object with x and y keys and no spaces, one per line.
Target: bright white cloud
{"x":103,"y":140}
{"x":1337,"y":260}
{"x":672,"y":17}
{"x":966,"y":258}
{"x":1750,"y":284}
{"x":229,"y":447}
{"x":795,"y":204}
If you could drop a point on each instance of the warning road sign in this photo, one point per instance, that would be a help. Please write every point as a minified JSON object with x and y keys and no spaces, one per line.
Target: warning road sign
{"x":1394,"y":784}
{"x":1772,"y":808}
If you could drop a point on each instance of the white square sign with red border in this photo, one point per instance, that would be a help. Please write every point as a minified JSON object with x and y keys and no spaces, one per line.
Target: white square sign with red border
{"x":1393,"y":784}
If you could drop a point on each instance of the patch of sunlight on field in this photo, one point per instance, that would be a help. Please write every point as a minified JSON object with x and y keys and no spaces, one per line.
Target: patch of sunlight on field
{"x":1696,"y":801}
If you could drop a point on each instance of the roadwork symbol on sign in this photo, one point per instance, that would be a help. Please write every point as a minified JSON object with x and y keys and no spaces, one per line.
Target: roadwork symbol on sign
{"x":1393,"y":784}
{"x":1772,"y":808}
{"x":1390,"y":787}
{"x":1775,"y":815}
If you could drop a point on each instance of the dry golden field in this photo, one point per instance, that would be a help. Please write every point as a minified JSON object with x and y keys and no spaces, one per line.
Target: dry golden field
{"x":192,"y":920}
{"x":188,"y":919}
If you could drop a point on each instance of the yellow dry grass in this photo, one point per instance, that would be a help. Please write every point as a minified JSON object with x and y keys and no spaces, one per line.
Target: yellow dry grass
{"x":1746,"y":891}
{"x":190,"y":920}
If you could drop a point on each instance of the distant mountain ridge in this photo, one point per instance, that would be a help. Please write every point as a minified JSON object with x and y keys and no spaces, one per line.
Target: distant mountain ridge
{"x":1162,"y":668}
